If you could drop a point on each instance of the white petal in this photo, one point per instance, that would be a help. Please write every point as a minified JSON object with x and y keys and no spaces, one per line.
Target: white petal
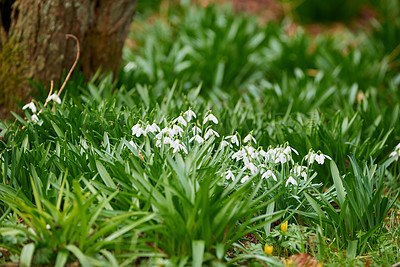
{"x":291,"y":180}
{"x":245,"y":179}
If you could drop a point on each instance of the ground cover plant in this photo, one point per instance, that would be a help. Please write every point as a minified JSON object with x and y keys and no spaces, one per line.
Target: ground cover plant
{"x":222,"y":141}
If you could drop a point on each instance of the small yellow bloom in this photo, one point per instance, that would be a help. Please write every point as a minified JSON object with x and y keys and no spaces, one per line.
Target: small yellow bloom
{"x":284,"y":226}
{"x":320,"y":265}
{"x":268,"y":249}
{"x":288,"y":262}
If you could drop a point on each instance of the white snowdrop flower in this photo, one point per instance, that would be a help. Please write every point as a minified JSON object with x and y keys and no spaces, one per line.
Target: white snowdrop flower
{"x":180,"y":120}
{"x":281,"y":158}
{"x":189,"y":114}
{"x":224,"y":144}
{"x":251,"y":151}
{"x":291,"y":180}
{"x":246,"y":160}
{"x":177,"y":145}
{"x":158,"y":143}
{"x":263,"y":153}
{"x":210,"y":117}
{"x":300,"y":171}
{"x":234,"y":139}
{"x":321,"y":157}
{"x":196,"y":130}
{"x":288,"y":149}
{"x":31,"y":106}
{"x":244,"y":179}
{"x":137,"y":130}
{"x":198,"y":138}
{"x":35,"y":118}
{"x":268,"y":174}
{"x":159,"y":136}
{"x":250,"y":166}
{"x":155,"y":127}
{"x":396,"y":152}
{"x":238,"y":155}
{"x":249,"y":138}
{"x":167,"y":140}
{"x":310,"y":157}
{"x":170,"y":132}
{"x":48,"y":227}
{"x":177,"y":130}
{"x":229,"y":175}
{"x":210,"y":132}
{"x":150,"y":129}
{"x":133,"y":144}
{"x":54,"y":97}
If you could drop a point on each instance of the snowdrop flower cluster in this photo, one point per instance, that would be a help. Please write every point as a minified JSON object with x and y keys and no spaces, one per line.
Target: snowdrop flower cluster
{"x":279,"y":154}
{"x":178,"y":132}
{"x":32,"y":107}
{"x":396,"y":152}
{"x":139,"y":130}
{"x":318,"y":157}
{"x":257,"y":161}
{"x":268,"y":164}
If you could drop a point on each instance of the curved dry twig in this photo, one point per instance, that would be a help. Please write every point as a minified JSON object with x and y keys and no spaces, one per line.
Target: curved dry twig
{"x":73,"y":66}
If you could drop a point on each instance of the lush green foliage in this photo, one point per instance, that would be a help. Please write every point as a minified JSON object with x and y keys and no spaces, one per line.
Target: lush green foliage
{"x":120,"y":173}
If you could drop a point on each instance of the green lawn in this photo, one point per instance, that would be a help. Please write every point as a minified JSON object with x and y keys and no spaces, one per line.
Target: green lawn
{"x":222,"y":141}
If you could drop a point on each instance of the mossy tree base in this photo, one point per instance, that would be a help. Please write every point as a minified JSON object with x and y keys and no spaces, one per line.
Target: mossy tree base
{"x":39,"y":28}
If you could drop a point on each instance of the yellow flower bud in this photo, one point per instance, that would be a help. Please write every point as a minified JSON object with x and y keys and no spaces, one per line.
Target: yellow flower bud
{"x":268,"y":249}
{"x":288,"y":262}
{"x":284,"y":226}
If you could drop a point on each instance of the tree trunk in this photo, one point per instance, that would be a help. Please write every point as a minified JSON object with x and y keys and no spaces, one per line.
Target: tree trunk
{"x":33,"y":39}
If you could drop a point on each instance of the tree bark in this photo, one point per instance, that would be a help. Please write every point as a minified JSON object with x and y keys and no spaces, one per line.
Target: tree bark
{"x":35,"y":33}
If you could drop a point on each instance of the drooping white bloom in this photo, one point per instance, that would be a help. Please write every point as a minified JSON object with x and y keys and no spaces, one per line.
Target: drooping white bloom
{"x":250,"y":166}
{"x":54,"y":97}
{"x":249,"y":138}
{"x":321,"y":157}
{"x":210,"y":117}
{"x":151,"y":128}
{"x":189,"y":115}
{"x":198,"y":138}
{"x":35,"y":118}
{"x":234,"y":139}
{"x":310,"y":157}
{"x":263,"y":153}
{"x":196,"y":130}
{"x":155,"y":126}
{"x":238,"y":155}
{"x":288,"y":149}
{"x":245,"y":179}
{"x":229,"y":175}
{"x":31,"y":106}
{"x":281,"y":158}
{"x":177,"y":145}
{"x":318,"y":157}
{"x":180,"y":120}
{"x":268,"y":174}
{"x":300,"y":171}
{"x":133,"y":144}
{"x":210,"y":132}
{"x":291,"y":180}
{"x":177,"y":130}
{"x":224,"y":144}
{"x":137,"y":130}
{"x":167,"y":140}
{"x":396,"y":152}
{"x":252,"y":152}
